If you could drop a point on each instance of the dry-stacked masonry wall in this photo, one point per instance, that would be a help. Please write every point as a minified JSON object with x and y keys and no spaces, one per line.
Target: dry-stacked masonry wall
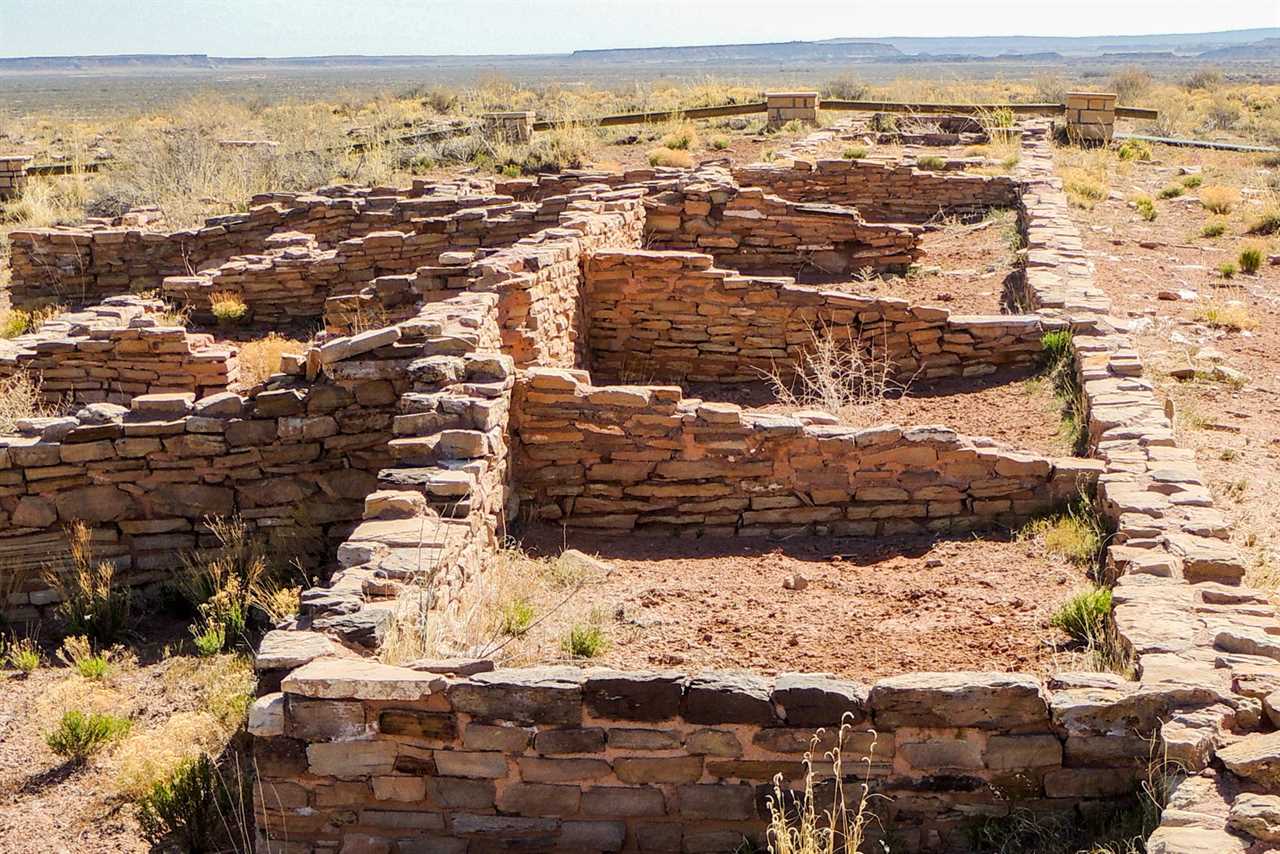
{"x":627,"y":457}
{"x":85,"y":265}
{"x":882,"y":192}
{"x":114,"y":352}
{"x":564,"y":759}
{"x":676,"y":316}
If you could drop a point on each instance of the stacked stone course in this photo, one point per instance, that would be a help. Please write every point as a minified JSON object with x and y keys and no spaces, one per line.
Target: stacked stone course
{"x":675,"y":316}
{"x":13,"y":175}
{"x":113,"y":363}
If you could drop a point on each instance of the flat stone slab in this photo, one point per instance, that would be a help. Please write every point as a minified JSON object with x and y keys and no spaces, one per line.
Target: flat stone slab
{"x":357,"y":679}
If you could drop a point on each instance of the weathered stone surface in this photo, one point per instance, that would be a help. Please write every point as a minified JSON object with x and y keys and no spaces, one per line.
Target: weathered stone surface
{"x":358,"y":679}
{"x":725,"y":802}
{"x":461,"y":763}
{"x":623,"y":801}
{"x":645,"y":769}
{"x":1256,"y":815}
{"x":324,"y":720}
{"x":546,"y":695}
{"x":626,"y":738}
{"x":508,"y":739}
{"x":575,"y":740}
{"x":996,"y":701}
{"x":713,"y":742}
{"x":818,"y":700}
{"x":1006,"y":752}
{"x":416,"y":724}
{"x":535,"y":769}
{"x":539,"y":799}
{"x":719,"y":698}
{"x":1194,"y":840}
{"x":1255,"y":757}
{"x":350,"y":759}
{"x":266,"y":716}
{"x":635,"y":696}
{"x":460,"y":793}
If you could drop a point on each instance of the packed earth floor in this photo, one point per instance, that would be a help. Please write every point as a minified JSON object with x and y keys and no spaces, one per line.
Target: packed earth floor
{"x":857,"y":608}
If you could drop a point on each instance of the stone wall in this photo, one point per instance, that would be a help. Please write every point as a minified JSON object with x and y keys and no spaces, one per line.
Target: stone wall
{"x":115,"y":351}
{"x":628,"y":457}
{"x":675,"y":316}
{"x":13,"y":175}
{"x":372,"y":757}
{"x":882,"y":192}
{"x":86,"y":264}
{"x":303,"y":454}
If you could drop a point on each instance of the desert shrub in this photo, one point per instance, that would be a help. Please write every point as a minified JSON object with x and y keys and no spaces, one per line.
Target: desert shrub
{"x":845,"y":88}
{"x":1146,"y":207}
{"x":79,"y":736}
{"x":1228,"y":269}
{"x":228,"y":307}
{"x":1251,"y":259}
{"x":1223,"y":113}
{"x":670,"y":157}
{"x":1133,"y":149}
{"x":77,"y":652}
{"x":1205,"y":77}
{"x":21,"y":398}
{"x":1129,"y":83}
{"x":194,"y":807}
{"x":1213,"y":228}
{"x":561,"y":148}
{"x":1049,"y":88}
{"x":1192,"y":181}
{"x":1084,"y":189}
{"x":681,"y":138}
{"x":92,"y":602}
{"x":1172,"y":191}
{"x":883,"y":122}
{"x":799,"y":824}
{"x":516,"y":616}
{"x":854,"y":152}
{"x":839,"y":373}
{"x":14,"y":322}
{"x":260,"y":358}
{"x":1219,"y":199}
{"x":1226,"y":310}
{"x":23,"y":656}
{"x":1267,"y":222}
{"x":719,"y":143}
{"x":1084,"y":616}
{"x":585,"y":641}
{"x":932,"y":163}
{"x":1075,"y":535}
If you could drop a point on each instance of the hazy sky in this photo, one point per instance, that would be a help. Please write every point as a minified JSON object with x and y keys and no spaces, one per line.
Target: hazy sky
{"x":302,"y":27}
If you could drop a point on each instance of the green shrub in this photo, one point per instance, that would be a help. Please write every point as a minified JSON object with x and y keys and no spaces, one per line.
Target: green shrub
{"x":516,"y":617}
{"x":1214,"y":228}
{"x":670,"y":157}
{"x":932,"y":163}
{"x":1252,"y":257}
{"x":1058,"y":350}
{"x":1227,"y":269}
{"x":1146,"y":208}
{"x":1267,"y":222}
{"x":209,"y":638}
{"x":1171,"y":192}
{"x":1084,"y":615}
{"x":1133,"y":149}
{"x":585,"y":642}
{"x":77,"y":651}
{"x":190,"y":808}
{"x":854,"y":152}
{"x":79,"y":736}
{"x":1192,"y":181}
{"x":681,"y":139}
{"x":228,"y":308}
{"x":24,"y":656}
{"x":719,"y":143}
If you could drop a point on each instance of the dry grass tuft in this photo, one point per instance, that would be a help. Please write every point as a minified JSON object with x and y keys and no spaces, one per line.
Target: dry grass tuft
{"x":228,"y":307}
{"x":259,"y":359}
{"x":1227,"y":309}
{"x":20,"y":398}
{"x":670,"y":157}
{"x":1219,"y":199}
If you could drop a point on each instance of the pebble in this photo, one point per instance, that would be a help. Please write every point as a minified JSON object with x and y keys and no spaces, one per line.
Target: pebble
{"x":795,"y":582}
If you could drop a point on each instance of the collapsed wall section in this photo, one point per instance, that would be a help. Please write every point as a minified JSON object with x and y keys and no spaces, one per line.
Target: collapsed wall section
{"x":675,"y":316}
{"x":630,"y":457}
{"x":113,"y":352}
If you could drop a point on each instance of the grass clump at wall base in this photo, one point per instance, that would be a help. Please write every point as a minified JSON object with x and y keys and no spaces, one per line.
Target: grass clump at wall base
{"x":1058,"y":362}
{"x":228,"y":308}
{"x":21,"y":398}
{"x":1219,"y":199}
{"x":77,"y":652}
{"x":1083,"y":189}
{"x":854,"y":153}
{"x":1133,"y":149}
{"x":195,"y":808}
{"x":1119,"y":829}
{"x":259,"y":359}
{"x":932,"y":163}
{"x":670,"y":157}
{"x":1084,"y":616}
{"x":585,"y":642}
{"x":1251,"y":258}
{"x":23,"y":656}
{"x":1076,"y":535}
{"x":92,"y":601}
{"x":79,"y":736}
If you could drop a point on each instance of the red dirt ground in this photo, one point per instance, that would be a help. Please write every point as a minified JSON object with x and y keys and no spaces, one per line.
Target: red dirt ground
{"x":870,"y":609}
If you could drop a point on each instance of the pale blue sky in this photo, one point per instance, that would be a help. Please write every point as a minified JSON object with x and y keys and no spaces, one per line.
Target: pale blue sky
{"x":307,"y":27}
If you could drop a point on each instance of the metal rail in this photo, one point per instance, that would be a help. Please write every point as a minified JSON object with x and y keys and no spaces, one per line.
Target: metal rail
{"x":1202,"y":143}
